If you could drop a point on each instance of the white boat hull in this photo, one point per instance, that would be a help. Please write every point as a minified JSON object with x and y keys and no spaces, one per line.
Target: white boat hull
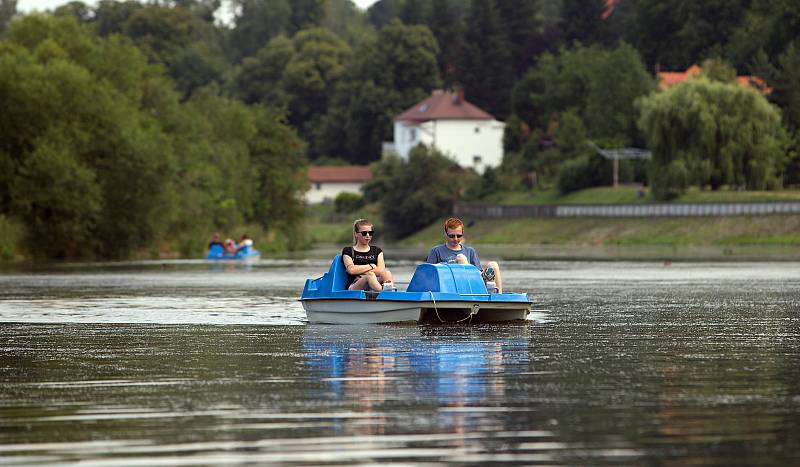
{"x":343,"y":311}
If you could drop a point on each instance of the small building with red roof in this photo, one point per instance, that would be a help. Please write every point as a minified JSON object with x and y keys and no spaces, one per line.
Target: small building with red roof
{"x":328,"y":181}
{"x":667,"y":79}
{"x":454,"y":126}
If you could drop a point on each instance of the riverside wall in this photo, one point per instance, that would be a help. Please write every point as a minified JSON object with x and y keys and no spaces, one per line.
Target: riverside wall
{"x":498,"y":211}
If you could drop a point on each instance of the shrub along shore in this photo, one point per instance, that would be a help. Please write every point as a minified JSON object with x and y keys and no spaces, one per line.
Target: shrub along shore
{"x":773,"y":237}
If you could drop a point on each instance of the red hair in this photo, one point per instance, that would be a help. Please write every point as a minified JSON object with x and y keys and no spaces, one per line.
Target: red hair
{"x":453,"y":223}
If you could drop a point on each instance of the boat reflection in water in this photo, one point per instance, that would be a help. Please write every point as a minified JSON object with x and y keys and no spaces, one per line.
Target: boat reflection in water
{"x":450,"y":378}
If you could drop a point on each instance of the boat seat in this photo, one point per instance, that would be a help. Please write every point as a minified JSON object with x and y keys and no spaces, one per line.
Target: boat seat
{"x":337,"y":274}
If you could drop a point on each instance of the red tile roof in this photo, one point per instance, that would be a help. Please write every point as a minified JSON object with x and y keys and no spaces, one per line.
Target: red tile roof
{"x":609,"y":10}
{"x":443,"y":105}
{"x":341,"y":174}
{"x":671,"y":78}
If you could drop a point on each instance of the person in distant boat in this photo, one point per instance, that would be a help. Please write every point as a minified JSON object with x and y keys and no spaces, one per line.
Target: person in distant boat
{"x":215,"y":247}
{"x":364,"y":262}
{"x":215,"y":241}
{"x":230,"y":246}
{"x":244,"y":243}
{"x":453,"y":250}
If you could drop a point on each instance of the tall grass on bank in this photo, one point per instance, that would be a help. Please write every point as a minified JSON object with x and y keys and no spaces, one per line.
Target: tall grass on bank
{"x":11,"y":233}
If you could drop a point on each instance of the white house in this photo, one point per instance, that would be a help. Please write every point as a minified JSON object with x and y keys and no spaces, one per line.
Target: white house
{"x":327,"y":182}
{"x":446,"y":121}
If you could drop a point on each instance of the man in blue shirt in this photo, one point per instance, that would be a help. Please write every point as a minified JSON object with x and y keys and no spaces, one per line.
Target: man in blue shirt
{"x":454,"y":251}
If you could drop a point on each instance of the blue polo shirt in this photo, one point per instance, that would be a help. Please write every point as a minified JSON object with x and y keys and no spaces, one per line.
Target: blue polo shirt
{"x":442,"y":254}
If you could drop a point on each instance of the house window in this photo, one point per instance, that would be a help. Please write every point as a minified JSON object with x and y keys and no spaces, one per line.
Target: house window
{"x":477,"y":129}
{"x":412,"y":134}
{"x":476,"y":160}
{"x":318,"y":185}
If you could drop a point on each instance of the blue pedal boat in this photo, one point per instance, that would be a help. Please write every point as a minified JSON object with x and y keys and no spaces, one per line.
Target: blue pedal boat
{"x":244,"y":253}
{"x":436,"y":293}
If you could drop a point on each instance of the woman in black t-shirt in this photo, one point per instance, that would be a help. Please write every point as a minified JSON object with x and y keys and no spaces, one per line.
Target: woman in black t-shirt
{"x":364,"y":262}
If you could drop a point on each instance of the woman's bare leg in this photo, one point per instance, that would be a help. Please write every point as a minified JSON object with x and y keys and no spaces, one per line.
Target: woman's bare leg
{"x":385,"y":276}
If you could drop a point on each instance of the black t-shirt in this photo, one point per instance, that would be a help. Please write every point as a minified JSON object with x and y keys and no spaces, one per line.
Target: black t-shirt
{"x":361,"y":258}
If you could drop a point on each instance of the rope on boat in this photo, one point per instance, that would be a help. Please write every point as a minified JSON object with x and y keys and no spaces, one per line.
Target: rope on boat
{"x":443,"y":321}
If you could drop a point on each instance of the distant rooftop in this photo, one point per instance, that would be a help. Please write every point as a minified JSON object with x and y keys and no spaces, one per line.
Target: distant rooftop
{"x":340,"y":174}
{"x":443,"y":105}
{"x":670,"y":78}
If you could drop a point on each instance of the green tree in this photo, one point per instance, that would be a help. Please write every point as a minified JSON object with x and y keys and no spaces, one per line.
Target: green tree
{"x":413,"y":12}
{"x":783,"y":78}
{"x":582,"y":21}
{"x":310,"y":77}
{"x":99,"y":157}
{"x":306,"y":14}
{"x":110,"y":16}
{"x":447,"y":27}
{"x":387,"y":76}
{"x":256,"y":22}
{"x":299,"y":75}
{"x":520,"y":19}
{"x":675,"y":33}
{"x":259,"y":79}
{"x":188,"y":46}
{"x":424,"y":189}
{"x":8,"y":9}
{"x":768,"y":26}
{"x":486,"y":72}
{"x":346,"y":20}
{"x":79,"y":10}
{"x":711,"y":133}
{"x":599,"y":85}
{"x":67,"y":114}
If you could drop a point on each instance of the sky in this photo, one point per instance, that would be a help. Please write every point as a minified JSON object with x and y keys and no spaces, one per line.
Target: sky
{"x":27,"y":6}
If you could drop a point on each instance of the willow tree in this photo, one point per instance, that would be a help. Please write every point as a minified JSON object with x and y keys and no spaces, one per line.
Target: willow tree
{"x":712,"y":134}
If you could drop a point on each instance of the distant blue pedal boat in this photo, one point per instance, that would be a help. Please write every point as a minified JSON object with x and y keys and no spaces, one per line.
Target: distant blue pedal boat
{"x":437,"y":293}
{"x":245,"y":253}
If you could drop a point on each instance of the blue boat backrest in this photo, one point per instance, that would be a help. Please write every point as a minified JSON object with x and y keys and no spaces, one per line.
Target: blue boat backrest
{"x":334,"y":279}
{"x":338,"y":273}
{"x":447,"y":278}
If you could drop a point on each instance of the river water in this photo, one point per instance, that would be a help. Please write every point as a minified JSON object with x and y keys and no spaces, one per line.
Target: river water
{"x":186,"y":363}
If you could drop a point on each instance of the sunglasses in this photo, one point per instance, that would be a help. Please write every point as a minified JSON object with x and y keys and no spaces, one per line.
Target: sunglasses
{"x":455,"y":235}
{"x":364,"y":233}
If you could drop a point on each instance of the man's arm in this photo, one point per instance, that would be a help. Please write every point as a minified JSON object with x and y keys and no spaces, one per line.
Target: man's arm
{"x":474,"y":259}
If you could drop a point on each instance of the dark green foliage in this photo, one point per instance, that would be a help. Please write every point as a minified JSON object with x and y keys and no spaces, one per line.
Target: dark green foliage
{"x":423,"y":189}
{"x":306,"y":14}
{"x":675,"y":33}
{"x":520,"y":20}
{"x":345,"y":202}
{"x":346,"y":20}
{"x":447,"y":26}
{"x":579,"y":173}
{"x":259,"y":21}
{"x":487,"y":71}
{"x":712,"y":134}
{"x":582,"y":20}
{"x":414,"y":12}
{"x":100,"y":159}
{"x":8,"y":8}
{"x":389,"y":75}
{"x":599,"y":85}
{"x":782,"y":75}
{"x":260,"y":76}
